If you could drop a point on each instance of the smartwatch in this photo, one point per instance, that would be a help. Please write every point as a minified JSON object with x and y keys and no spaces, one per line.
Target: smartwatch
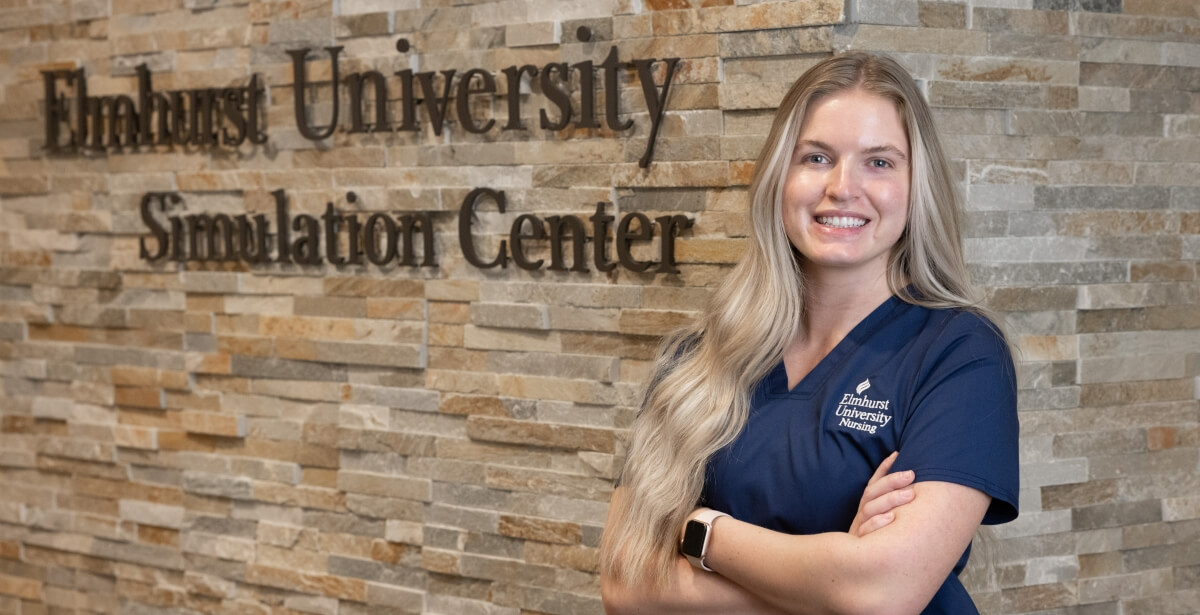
{"x":696,"y":534}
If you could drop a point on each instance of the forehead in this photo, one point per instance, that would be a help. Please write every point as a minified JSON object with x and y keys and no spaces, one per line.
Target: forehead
{"x":854,"y":115}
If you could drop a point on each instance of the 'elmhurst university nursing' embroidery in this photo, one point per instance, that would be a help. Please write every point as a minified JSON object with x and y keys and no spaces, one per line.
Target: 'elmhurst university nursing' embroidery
{"x":863,"y":413}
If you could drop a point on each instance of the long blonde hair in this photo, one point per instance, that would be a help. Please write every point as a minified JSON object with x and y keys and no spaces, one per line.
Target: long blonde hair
{"x":698,"y":399}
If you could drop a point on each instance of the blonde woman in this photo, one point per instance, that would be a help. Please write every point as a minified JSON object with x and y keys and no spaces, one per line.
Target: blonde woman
{"x":845,"y":357}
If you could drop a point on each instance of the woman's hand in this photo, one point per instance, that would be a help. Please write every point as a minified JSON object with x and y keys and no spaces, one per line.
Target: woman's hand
{"x":689,"y":591}
{"x":884,"y":493}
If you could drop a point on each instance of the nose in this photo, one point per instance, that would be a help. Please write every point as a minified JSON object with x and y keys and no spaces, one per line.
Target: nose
{"x":842,"y":184}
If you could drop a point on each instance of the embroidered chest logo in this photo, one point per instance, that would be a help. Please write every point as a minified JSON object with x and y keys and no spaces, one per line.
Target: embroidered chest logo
{"x":858,"y":411}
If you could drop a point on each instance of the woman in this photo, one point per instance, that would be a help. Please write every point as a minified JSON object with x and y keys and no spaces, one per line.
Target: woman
{"x":846,"y":344}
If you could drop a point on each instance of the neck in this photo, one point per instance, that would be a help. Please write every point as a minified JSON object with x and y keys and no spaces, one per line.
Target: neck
{"x":834,"y":305}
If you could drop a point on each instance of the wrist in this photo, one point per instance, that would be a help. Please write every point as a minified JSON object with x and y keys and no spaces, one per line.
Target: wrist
{"x":690,"y":516}
{"x":697,"y":535}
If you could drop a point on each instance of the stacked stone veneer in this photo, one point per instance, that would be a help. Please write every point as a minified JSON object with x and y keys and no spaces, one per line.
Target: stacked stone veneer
{"x":357,"y":439}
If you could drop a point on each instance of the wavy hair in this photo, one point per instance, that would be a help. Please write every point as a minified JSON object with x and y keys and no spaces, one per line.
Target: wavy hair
{"x":698,"y":398}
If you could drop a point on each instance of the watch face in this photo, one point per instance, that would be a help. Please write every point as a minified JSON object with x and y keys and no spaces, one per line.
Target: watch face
{"x":693,"y":538}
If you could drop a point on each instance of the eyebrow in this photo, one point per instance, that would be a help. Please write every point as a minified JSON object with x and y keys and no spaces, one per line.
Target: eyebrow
{"x":876,"y":149}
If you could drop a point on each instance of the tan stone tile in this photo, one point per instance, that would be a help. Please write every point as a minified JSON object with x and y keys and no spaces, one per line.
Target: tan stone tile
{"x":942,"y":15}
{"x":444,"y":562}
{"x":297,"y":452}
{"x":124,"y":375}
{"x":1162,"y":271}
{"x":308,"y":497}
{"x":957,"y":68}
{"x":139,"y":397}
{"x":242,"y":324}
{"x":1047,"y":347}
{"x":213,"y":423}
{"x":703,"y":250}
{"x":369,"y":287}
{"x":457,"y":359}
{"x":451,"y":381}
{"x":553,"y":483}
{"x":158,"y":536}
{"x":1134,"y":26}
{"x":319,"y":477}
{"x":170,"y":496}
{"x":402,"y":309}
{"x":10,"y":549}
{"x":299,"y":560}
{"x":135,"y":437}
{"x":213,"y":364}
{"x":89,"y":505}
{"x":384,"y":485}
{"x":564,"y":389}
{"x":474,"y":405}
{"x":446,"y":335}
{"x":541,"y":530}
{"x":576,"y":557}
{"x":178,"y":440}
{"x":286,"y":578}
{"x":348,"y":545}
{"x":1039,"y":597}
{"x":1101,"y":223}
{"x":540,"y":434}
{"x":175,"y":380}
{"x":1109,"y":588}
{"x":1160,"y":438}
{"x":654,"y":322}
{"x":305,"y":327}
{"x":1165,"y":8}
{"x":390,"y":552}
{"x":1099,"y":564}
{"x":202,"y":401}
{"x":20,"y":587}
{"x":583,"y":319}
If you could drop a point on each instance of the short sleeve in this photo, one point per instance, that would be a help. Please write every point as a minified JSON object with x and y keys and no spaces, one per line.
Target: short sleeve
{"x":961,"y":425}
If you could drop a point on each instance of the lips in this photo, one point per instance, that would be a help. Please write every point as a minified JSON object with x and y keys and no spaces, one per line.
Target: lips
{"x":840,"y":221}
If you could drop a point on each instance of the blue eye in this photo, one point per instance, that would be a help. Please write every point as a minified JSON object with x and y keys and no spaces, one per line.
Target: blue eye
{"x":880,"y":163}
{"x":817,"y":158}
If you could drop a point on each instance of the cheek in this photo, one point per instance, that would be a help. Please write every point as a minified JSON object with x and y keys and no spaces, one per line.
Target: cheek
{"x":793,"y":201}
{"x":791,"y":223}
{"x":799,"y":197}
{"x":892,"y":195}
{"x":801,"y":190}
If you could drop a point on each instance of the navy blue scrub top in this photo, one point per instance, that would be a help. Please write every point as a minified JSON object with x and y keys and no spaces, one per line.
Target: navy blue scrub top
{"x":937,"y":385}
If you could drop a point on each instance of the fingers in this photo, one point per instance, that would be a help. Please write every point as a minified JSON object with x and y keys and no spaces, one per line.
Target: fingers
{"x":884,"y":467}
{"x":881,"y":511}
{"x":887,"y":502}
{"x":886,"y":484}
{"x":875,"y":523}
{"x":885,"y":492}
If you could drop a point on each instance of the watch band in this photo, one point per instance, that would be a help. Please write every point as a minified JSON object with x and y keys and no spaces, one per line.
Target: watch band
{"x":706,"y":518}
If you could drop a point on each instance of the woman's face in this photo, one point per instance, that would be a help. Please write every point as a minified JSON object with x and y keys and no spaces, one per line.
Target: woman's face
{"x":845,"y":200}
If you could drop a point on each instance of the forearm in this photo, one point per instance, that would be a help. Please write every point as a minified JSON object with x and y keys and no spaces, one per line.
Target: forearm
{"x":690,"y":591}
{"x":896,"y":569}
{"x":817,"y":574}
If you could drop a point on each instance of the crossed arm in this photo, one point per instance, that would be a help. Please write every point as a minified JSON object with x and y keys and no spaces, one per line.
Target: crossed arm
{"x":903,"y":544}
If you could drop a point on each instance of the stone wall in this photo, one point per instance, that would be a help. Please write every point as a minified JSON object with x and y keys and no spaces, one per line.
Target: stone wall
{"x":252,"y":438}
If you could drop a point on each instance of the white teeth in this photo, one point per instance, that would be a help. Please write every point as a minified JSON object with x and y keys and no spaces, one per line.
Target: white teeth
{"x":840,"y":221}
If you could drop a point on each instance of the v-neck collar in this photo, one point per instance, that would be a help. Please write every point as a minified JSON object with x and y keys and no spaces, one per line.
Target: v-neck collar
{"x":777,"y":379}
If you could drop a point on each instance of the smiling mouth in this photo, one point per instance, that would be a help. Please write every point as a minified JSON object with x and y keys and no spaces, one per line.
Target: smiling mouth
{"x":840,"y":221}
